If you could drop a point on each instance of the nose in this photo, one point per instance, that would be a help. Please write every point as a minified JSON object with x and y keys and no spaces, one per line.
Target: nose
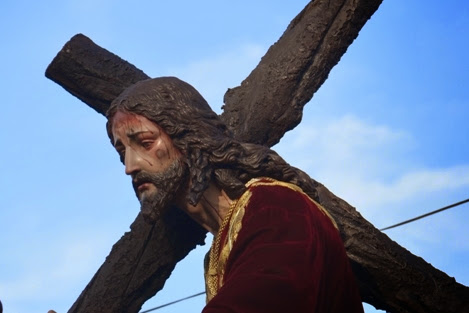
{"x":132,"y":162}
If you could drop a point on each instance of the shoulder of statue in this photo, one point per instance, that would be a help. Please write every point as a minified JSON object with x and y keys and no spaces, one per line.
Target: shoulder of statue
{"x":271,"y":182}
{"x":267,"y":181}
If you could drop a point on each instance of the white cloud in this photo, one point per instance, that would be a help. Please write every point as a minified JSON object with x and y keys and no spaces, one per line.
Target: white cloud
{"x":367,"y":165}
{"x":377,"y":193}
{"x":329,"y":148}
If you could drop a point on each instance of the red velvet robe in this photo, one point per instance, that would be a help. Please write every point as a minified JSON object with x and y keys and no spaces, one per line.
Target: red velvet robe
{"x":279,"y":251}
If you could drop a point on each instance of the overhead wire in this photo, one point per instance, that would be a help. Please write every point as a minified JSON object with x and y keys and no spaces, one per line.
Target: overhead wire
{"x":173,"y":302}
{"x":426,"y":214}
{"x":382,"y":229}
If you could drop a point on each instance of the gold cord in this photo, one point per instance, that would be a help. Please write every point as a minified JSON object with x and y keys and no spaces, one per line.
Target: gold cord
{"x":212,"y":273}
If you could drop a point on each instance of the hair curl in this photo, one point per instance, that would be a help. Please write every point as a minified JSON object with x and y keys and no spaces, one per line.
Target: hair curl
{"x":210,"y":150}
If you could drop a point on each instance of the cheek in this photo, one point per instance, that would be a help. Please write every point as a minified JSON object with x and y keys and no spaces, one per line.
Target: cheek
{"x":161,"y":154}
{"x":165,"y":150}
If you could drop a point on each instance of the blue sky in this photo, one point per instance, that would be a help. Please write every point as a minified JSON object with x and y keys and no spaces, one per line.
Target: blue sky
{"x":387,"y":132}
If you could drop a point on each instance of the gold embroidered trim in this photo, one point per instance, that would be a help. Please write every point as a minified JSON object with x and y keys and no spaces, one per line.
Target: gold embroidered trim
{"x":267,"y":181}
{"x":211,"y":276}
{"x":233,"y":230}
{"x":217,"y":261}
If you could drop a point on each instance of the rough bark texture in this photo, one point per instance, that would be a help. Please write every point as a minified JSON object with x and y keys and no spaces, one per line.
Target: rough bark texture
{"x":91,"y":73}
{"x":389,"y":276}
{"x":139,"y":264}
{"x":293,"y":69}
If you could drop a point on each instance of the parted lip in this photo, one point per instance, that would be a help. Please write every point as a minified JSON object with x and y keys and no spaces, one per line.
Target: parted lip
{"x":139,"y":184}
{"x":143,"y":186}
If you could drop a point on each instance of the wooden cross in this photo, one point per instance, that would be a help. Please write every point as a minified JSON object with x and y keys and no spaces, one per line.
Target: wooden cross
{"x":268,"y":103}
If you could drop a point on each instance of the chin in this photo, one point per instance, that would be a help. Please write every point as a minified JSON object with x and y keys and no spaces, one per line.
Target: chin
{"x":144,"y":196}
{"x":154,"y":206}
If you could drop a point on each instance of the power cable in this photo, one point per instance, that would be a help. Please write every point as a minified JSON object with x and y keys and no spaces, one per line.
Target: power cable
{"x":425,"y":215}
{"x":162,"y":306}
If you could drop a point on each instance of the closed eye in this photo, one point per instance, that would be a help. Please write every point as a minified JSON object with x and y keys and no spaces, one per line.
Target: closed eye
{"x":147,"y":144}
{"x":121,"y":155}
{"x":121,"y":151}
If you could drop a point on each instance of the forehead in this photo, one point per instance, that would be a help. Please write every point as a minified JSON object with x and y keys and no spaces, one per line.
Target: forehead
{"x":125,"y":123}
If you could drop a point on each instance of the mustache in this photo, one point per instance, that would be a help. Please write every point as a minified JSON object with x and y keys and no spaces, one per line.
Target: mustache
{"x":169,"y":184}
{"x":159,"y":179}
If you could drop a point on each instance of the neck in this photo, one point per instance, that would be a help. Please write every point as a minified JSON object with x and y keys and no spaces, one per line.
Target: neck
{"x":211,"y":209}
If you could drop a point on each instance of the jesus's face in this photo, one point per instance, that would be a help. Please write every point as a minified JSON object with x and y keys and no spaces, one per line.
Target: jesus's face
{"x":151,"y":159}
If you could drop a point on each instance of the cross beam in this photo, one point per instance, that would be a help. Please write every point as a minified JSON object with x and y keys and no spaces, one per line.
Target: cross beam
{"x":390,"y":277}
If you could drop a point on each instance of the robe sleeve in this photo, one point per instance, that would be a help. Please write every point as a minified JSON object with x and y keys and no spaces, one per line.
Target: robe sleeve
{"x":288,"y":257}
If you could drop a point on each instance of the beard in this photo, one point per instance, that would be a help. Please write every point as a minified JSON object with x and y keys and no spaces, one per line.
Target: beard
{"x":169,"y":184}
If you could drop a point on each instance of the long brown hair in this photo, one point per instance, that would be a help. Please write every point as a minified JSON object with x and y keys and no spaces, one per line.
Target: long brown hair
{"x":211,"y":152}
